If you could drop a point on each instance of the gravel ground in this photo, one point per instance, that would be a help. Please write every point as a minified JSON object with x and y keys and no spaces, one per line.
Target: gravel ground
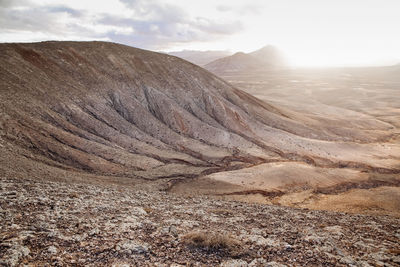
{"x":60,"y":224}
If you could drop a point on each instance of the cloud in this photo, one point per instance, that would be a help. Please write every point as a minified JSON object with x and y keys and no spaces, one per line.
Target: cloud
{"x":63,"y":9}
{"x":151,"y":24}
{"x":224,"y":8}
{"x":25,"y":16}
{"x":158,"y":25}
{"x":241,"y":9}
{"x":10,"y":3}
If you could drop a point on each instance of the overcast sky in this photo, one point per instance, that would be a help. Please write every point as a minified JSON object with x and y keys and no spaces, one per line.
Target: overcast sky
{"x":309,"y":32}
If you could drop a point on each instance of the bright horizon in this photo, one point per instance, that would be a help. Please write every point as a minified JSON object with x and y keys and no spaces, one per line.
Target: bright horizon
{"x":310,"y":33}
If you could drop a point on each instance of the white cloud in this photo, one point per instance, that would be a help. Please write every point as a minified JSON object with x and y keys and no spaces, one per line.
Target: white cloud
{"x":144,"y":23}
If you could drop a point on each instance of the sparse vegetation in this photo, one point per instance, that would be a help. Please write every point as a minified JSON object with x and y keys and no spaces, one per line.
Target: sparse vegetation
{"x":210,"y":241}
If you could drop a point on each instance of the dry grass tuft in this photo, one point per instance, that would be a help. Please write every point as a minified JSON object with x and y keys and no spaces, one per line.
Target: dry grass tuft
{"x":211,"y":241}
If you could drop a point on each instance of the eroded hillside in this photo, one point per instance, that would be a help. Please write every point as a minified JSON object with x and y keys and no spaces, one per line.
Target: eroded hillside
{"x":115,"y":110}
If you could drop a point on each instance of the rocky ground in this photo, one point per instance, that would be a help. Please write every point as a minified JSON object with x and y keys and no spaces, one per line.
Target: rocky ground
{"x":62,"y":224}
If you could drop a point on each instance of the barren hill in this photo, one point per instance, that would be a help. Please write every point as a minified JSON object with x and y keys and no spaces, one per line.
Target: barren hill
{"x":116,"y":110}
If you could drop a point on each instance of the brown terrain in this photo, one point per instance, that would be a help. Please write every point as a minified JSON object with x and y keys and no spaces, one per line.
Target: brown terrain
{"x":116,"y":155}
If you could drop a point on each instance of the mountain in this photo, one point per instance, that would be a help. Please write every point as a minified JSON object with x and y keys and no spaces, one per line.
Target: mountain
{"x":270,"y":56}
{"x":70,"y":108}
{"x":266,"y":58}
{"x":200,"y":57}
{"x":237,"y":62}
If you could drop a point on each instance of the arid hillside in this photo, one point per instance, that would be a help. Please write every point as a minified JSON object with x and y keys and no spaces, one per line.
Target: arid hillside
{"x":100,"y":111}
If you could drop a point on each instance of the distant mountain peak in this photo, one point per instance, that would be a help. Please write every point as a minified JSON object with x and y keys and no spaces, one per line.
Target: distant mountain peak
{"x":267,"y":57}
{"x":239,"y":53}
{"x":266,"y":48}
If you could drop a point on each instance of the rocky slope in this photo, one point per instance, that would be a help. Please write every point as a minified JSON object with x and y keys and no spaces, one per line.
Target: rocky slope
{"x":64,"y":224}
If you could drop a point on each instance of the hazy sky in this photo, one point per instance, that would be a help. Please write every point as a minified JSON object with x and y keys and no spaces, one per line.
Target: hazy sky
{"x":309,"y":32}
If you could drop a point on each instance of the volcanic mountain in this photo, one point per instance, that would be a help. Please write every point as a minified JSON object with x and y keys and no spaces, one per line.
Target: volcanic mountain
{"x":107,"y":109}
{"x":266,"y":58}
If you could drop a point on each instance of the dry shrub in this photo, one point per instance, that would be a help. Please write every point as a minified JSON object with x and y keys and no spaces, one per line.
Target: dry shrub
{"x":211,"y":241}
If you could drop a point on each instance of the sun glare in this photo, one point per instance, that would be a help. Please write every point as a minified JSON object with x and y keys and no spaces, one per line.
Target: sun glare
{"x":318,"y":33}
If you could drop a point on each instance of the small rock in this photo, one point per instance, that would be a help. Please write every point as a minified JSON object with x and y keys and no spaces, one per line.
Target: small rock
{"x":348,"y":260}
{"x":15,"y":226}
{"x":139,"y":211}
{"x":258,"y":262}
{"x":94,"y":231}
{"x":120,"y":265}
{"x":309,"y":253}
{"x":234,"y":263}
{"x":131,"y":247}
{"x":169,"y":230}
{"x":52,"y":250}
{"x":335,"y":230}
{"x":274,"y":264}
{"x":14,"y":255}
